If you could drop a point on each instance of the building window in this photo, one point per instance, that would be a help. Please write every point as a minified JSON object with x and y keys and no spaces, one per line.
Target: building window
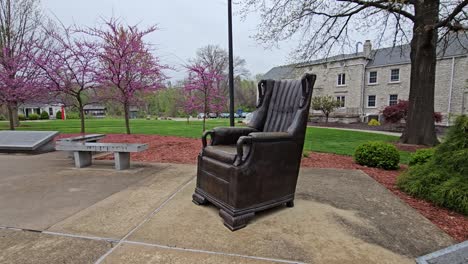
{"x":371,"y":101}
{"x":394,"y":75}
{"x":341,"y":79}
{"x":372,"y":77}
{"x":341,"y":100}
{"x":51,"y":111}
{"x":393,"y":99}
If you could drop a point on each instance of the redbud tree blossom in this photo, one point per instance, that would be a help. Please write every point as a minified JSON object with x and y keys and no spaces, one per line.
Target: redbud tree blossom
{"x":69,"y":63}
{"x":202,"y":91}
{"x":127,"y":65}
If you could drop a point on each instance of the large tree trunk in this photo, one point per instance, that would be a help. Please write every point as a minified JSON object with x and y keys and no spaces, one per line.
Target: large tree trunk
{"x":127,"y":117}
{"x":420,"y":127}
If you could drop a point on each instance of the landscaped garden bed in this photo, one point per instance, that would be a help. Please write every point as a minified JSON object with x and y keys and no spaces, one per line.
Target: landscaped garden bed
{"x":387,"y":127}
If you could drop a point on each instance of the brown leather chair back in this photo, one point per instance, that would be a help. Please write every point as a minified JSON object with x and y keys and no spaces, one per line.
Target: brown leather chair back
{"x":283,"y":105}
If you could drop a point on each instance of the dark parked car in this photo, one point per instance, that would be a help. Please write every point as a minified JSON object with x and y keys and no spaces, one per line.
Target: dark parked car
{"x":212,"y":115}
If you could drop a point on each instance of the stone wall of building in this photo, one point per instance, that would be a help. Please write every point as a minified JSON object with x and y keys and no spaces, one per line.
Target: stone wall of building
{"x":384,"y":87}
{"x":327,"y":82}
{"x":357,"y":87}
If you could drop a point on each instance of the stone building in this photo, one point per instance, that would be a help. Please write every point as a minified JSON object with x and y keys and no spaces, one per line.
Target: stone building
{"x":366,"y":82}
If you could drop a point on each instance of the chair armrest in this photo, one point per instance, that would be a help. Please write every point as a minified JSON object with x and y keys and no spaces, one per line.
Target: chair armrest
{"x":205,"y":135}
{"x":270,"y":136}
{"x":226,"y":135}
{"x":260,"y":137}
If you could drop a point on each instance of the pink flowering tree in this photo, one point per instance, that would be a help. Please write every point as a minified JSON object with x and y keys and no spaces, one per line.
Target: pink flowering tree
{"x":127,"y":67}
{"x":68,"y":62}
{"x":20,"y":79}
{"x":202,"y":91}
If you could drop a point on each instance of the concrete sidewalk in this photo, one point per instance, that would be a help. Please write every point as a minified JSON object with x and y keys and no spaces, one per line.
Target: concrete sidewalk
{"x":362,"y":130}
{"x":53,"y":213}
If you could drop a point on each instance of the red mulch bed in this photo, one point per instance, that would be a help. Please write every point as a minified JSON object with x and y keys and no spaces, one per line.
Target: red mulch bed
{"x":168,"y":149}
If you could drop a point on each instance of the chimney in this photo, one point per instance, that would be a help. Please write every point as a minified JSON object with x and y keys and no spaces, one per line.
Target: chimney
{"x":367,"y":48}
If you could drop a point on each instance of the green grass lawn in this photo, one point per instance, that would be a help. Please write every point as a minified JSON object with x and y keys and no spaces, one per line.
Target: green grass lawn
{"x":318,"y":139}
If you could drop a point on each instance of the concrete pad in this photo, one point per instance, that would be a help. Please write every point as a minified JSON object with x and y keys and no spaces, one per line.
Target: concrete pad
{"x":116,"y":215}
{"x":36,"y":248}
{"x":39,"y":191}
{"x":361,"y":226}
{"x":392,"y":223}
{"x":129,"y":253}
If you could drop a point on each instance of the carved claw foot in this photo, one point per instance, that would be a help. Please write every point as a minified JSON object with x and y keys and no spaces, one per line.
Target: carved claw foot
{"x":235,"y":222}
{"x":290,"y":204}
{"x":198,"y":199}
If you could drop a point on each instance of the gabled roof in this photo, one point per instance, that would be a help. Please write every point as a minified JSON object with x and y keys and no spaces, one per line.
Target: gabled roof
{"x":379,"y":57}
{"x":94,"y":107}
{"x":401,"y":54}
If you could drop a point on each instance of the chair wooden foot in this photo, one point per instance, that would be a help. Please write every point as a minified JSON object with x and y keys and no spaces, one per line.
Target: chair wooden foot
{"x":290,"y":203}
{"x":198,"y":199}
{"x":235,"y":222}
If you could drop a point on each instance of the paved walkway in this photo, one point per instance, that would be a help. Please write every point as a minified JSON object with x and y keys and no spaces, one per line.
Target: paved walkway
{"x":53,"y":213}
{"x":363,"y":130}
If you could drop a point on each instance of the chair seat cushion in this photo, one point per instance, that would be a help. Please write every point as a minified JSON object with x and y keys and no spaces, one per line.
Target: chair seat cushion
{"x":223,"y":153}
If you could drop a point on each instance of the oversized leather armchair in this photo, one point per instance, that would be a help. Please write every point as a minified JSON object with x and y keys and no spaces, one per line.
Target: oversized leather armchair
{"x":244,"y":170}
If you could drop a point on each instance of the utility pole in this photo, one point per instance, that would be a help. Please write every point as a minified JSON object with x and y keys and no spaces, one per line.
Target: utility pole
{"x":231,"y":66}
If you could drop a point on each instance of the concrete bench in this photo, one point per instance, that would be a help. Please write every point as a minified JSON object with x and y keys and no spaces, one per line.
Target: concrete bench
{"x":93,"y":138}
{"x":83,"y":158}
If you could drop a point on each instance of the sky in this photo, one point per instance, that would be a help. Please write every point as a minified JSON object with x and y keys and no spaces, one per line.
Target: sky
{"x":184,"y":26}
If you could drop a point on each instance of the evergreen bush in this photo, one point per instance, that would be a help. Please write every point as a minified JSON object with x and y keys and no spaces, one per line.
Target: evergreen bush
{"x":44,"y":115}
{"x":421,"y":156}
{"x":73,"y":115}
{"x":377,"y":154}
{"x":443,"y":179}
{"x":33,"y":117}
{"x":58,"y":115}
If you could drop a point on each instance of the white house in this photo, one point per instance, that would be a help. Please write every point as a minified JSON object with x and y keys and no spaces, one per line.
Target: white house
{"x":368,"y":81}
{"x":51,"y":109}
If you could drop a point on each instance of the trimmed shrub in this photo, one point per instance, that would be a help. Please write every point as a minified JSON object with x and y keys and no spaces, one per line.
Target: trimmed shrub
{"x":73,"y":115}
{"x":21,"y":117}
{"x":2,"y":117}
{"x":33,"y":117}
{"x":58,"y":115}
{"x":377,"y":154}
{"x":373,"y":122}
{"x":44,"y":115}
{"x":443,"y":179}
{"x":421,"y":156}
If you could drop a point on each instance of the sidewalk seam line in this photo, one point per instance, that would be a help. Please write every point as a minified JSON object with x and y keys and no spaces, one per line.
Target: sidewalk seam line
{"x":116,"y":240}
{"x":147,"y":218}
{"x":211,"y":252}
{"x":88,"y":207}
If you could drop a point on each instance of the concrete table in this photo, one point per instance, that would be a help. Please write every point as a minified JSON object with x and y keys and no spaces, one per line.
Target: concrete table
{"x":27,"y":141}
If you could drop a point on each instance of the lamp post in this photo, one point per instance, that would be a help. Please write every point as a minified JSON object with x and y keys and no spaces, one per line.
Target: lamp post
{"x":231,"y":66}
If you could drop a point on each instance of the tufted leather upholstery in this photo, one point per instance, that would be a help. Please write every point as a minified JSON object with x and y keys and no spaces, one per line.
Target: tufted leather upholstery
{"x":247,"y":169}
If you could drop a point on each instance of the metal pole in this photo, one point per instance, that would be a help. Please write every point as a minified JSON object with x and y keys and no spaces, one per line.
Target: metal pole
{"x":231,"y":66}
